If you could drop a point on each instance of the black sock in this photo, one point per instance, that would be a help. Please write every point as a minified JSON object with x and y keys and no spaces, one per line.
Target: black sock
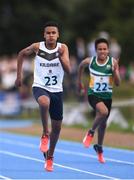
{"x":91,"y":132}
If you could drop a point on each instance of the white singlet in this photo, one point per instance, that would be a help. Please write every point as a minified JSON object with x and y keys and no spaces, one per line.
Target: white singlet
{"x":48,"y":70}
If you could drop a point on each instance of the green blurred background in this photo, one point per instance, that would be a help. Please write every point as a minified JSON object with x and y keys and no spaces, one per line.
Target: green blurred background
{"x":22,"y":22}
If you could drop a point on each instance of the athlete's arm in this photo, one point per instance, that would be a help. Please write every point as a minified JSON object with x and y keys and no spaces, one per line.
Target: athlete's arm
{"x":21,"y":55}
{"x":81,"y":67}
{"x":116,"y":72}
{"x":64,"y":58}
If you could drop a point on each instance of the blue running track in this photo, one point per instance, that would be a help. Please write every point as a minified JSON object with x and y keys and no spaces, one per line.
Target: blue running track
{"x":20,"y":158}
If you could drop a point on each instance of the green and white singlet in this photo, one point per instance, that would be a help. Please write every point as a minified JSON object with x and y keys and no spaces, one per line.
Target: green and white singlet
{"x":101,"y":78}
{"x":48,"y":70}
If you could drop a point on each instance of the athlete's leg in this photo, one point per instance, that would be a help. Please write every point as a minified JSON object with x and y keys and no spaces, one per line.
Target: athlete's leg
{"x":102,"y":126}
{"x":101,"y":115}
{"x":56,"y":114}
{"x":54,"y":136}
{"x":100,"y":123}
{"x":101,"y":112}
{"x":101,"y":132}
{"x":44,"y":103}
{"x":43,"y":99}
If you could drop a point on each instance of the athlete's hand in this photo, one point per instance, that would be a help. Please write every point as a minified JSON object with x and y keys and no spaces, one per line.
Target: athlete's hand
{"x":61,"y":52}
{"x":64,"y":58}
{"x":81,"y":89}
{"x":18,"y":82}
{"x":115,"y":65}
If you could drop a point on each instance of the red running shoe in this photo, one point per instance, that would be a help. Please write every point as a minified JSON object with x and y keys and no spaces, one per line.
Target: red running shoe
{"x":49,"y":164}
{"x":88,"y":139}
{"x":44,"y":143}
{"x":99,"y":152}
{"x":101,"y":158}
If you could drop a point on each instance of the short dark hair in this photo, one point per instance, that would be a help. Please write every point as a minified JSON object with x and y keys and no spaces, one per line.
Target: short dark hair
{"x":101,"y":40}
{"x":51,"y":23}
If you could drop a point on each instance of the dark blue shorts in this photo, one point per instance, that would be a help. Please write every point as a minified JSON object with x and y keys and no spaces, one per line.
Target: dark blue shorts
{"x":56,"y":102}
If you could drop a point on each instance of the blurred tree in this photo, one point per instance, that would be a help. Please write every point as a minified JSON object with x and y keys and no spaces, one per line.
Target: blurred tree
{"x":22,"y":22}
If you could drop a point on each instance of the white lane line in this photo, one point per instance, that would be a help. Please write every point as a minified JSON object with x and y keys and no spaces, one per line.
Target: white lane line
{"x":18,"y":143}
{"x":4,"y":177}
{"x":59,"y":165}
{"x":92,"y":156}
{"x":76,"y":144}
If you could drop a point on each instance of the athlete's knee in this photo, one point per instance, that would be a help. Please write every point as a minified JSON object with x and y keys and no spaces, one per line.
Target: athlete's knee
{"x":104,"y":112}
{"x":44,"y":102}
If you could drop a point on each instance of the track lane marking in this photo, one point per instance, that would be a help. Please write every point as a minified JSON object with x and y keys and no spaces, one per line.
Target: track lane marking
{"x":63,"y":151}
{"x":59,"y":165}
{"x":4,"y":177}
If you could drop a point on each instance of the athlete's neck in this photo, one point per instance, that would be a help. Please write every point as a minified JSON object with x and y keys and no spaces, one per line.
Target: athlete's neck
{"x":50,"y":45}
{"x":101,"y":61}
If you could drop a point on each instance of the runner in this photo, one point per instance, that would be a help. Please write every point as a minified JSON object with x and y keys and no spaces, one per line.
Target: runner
{"x":103,"y":71}
{"x":50,"y":62}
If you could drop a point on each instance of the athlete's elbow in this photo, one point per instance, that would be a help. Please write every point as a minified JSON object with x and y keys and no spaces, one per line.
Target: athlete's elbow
{"x":21,"y":54}
{"x":117,"y":79}
{"x":68,"y":70}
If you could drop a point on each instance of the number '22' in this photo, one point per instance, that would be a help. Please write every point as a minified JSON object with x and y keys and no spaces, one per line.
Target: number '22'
{"x":101,"y":86}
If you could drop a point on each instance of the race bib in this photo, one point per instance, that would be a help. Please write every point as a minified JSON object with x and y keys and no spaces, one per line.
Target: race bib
{"x":100,"y":84}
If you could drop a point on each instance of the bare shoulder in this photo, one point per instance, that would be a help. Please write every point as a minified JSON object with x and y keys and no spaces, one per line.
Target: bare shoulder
{"x":86,"y":60}
{"x":64,"y":46}
{"x":64,"y":49}
{"x":35,"y":47}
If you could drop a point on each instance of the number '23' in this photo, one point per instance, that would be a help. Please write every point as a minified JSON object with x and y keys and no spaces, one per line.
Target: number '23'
{"x":50,"y":80}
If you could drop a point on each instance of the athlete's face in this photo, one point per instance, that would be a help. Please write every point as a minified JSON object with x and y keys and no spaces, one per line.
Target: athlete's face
{"x":51,"y":34}
{"x":102,"y":51}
